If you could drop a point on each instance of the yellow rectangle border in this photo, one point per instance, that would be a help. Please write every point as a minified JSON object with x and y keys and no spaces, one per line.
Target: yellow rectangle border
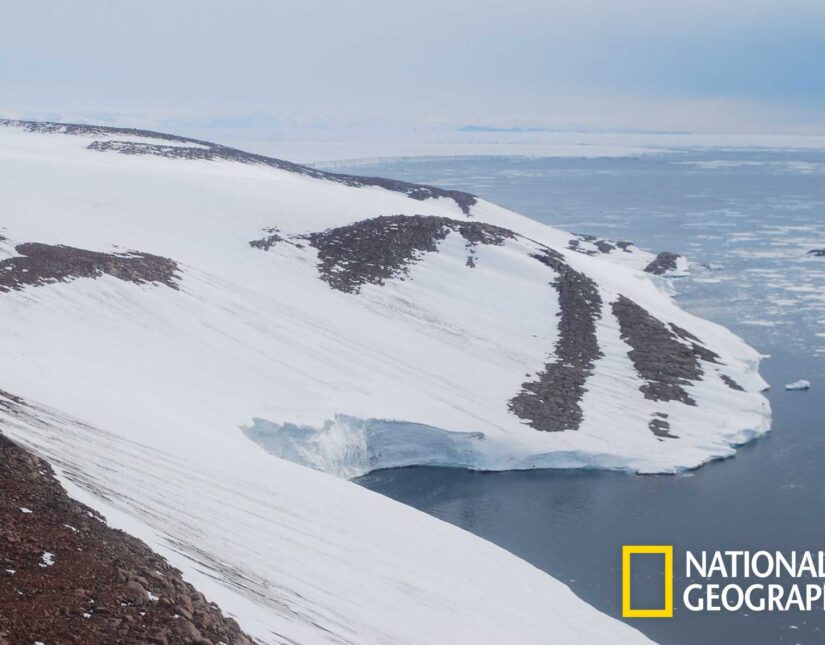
{"x":627,"y":610}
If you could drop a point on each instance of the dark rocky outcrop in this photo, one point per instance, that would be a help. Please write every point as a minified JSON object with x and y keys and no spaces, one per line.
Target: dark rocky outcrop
{"x":51,"y":127}
{"x":661,"y":358}
{"x":272,"y":237}
{"x":575,"y":245}
{"x":604,"y":246}
{"x":601,"y":245}
{"x":660,"y":427}
{"x":66,"y":577}
{"x":156,"y":149}
{"x":40,"y":264}
{"x":374,"y":250}
{"x":196,"y":149}
{"x":817,"y":253}
{"x":552,"y":402}
{"x":664,"y":262}
{"x":696,"y":345}
{"x":733,"y":385}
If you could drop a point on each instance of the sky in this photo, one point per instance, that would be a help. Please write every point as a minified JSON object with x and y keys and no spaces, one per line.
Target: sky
{"x":367,"y":66}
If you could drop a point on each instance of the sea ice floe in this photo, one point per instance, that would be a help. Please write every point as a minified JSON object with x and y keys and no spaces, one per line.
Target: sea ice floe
{"x":801,"y":384}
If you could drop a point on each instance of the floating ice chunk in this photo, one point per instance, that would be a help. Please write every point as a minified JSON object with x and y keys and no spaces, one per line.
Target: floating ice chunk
{"x":801,"y":384}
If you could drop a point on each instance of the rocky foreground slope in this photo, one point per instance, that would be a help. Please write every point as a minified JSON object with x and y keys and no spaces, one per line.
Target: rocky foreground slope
{"x":182,"y":320}
{"x":69,"y":578}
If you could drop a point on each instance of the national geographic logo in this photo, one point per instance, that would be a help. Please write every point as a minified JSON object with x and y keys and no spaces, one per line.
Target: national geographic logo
{"x":730,"y":581}
{"x":666,"y":611}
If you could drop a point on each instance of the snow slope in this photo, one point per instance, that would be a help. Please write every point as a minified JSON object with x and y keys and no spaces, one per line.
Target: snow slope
{"x":343,"y":324}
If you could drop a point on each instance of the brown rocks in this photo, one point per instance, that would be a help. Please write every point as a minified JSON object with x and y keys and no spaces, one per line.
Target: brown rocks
{"x":664,"y":262}
{"x":552,"y":402}
{"x":375,"y":250}
{"x":40,"y":264}
{"x":733,"y":385}
{"x":660,"y":427}
{"x":666,"y":358}
{"x":601,"y":245}
{"x":98,"y":588}
{"x":271,"y":238}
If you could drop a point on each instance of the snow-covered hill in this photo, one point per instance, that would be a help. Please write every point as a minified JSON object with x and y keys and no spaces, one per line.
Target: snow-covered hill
{"x":177,"y":315}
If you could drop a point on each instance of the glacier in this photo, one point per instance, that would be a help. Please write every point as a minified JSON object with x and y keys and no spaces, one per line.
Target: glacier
{"x":182,"y":321}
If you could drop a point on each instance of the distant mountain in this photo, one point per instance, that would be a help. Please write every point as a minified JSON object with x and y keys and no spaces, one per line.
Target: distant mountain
{"x":183,"y":319}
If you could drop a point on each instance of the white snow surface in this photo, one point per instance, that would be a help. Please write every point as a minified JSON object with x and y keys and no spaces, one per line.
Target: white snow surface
{"x":145,"y":397}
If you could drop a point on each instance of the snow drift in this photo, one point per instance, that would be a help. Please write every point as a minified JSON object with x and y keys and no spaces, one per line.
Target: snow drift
{"x":176,"y":313}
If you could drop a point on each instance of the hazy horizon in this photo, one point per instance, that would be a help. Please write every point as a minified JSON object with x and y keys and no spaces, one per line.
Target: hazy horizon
{"x":377,"y":70}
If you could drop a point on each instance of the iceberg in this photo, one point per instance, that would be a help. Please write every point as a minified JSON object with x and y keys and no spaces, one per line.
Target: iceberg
{"x":801,"y":384}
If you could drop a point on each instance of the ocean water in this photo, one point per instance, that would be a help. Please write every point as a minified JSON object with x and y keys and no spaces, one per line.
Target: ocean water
{"x":745,"y":219}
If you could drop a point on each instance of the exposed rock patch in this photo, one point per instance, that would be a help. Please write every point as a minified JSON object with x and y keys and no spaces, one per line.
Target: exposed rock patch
{"x":593,"y":245}
{"x":660,"y":427}
{"x":374,"y":250}
{"x":658,"y":354}
{"x":552,"y":402}
{"x":51,"y":127}
{"x":40,"y":264}
{"x":156,"y":149}
{"x":66,"y":577}
{"x":575,"y":245}
{"x":664,"y":262}
{"x":733,"y":385}
{"x":197,"y":149}
{"x":817,"y":253}
{"x":696,"y":345}
{"x":267,"y":242}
